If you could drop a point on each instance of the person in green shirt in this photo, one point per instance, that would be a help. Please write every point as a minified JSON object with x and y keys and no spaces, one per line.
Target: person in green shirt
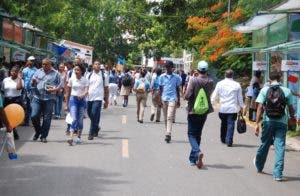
{"x":272,"y":128}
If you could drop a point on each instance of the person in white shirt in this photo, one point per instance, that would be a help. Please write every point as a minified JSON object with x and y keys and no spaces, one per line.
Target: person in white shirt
{"x":229,"y":93}
{"x":12,"y":87}
{"x":77,"y":90}
{"x":98,"y":92}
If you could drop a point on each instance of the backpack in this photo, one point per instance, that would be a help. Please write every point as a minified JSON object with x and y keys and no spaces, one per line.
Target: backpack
{"x":126,"y":81}
{"x":275,"y":102}
{"x":141,"y":87}
{"x":201,"y":103}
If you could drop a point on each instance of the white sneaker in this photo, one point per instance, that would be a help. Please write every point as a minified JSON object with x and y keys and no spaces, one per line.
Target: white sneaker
{"x":78,"y":141}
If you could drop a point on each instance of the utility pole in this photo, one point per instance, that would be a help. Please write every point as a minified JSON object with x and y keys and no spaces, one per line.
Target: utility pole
{"x":228,"y":10}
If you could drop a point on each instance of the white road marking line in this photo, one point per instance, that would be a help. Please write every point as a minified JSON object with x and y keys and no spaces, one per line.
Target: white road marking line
{"x":124,"y":119}
{"x":125,"y":149}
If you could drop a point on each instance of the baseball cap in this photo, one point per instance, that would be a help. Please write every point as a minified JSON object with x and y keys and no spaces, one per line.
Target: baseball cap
{"x":102,"y":66}
{"x":202,"y":66}
{"x":31,"y":58}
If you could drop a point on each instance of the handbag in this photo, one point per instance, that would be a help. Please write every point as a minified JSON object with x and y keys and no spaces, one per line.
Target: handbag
{"x":241,"y":124}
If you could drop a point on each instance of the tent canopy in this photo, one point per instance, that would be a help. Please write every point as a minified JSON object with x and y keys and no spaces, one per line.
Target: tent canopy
{"x":258,"y":22}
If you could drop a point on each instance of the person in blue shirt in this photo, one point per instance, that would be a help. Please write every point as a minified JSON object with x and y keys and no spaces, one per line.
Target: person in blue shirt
{"x":156,"y":97}
{"x":170,"y":94}
{"x":46,"y":83}
{"x":141,"y":87}
{"x":27,"y":74}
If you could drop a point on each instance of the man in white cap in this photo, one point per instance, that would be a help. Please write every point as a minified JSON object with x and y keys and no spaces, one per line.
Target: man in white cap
{"x":27,"y":74}
{"x":229,"y":93}
{"x":197,"y":119}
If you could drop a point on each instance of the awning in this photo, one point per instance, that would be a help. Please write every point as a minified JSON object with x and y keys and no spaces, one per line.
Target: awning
{"x":289,"y":6}
{"x":258,"y":22}
{"x":289,"y":46}
{"x":16,"y":47}
{"x":242,"y":50}
{"x":38,"y":50}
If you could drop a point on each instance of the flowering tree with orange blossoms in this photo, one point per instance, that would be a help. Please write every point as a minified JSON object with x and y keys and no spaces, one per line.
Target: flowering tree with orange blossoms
{"x":213,"y":35}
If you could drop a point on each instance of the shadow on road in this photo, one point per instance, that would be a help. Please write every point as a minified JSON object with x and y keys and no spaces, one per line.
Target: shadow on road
{"x":245,"y":145}
{"x":223,"y":166}
{"x":42,"y":177}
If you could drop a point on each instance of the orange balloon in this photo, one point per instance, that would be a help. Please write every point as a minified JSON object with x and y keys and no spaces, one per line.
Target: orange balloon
{"x":15,"y":114}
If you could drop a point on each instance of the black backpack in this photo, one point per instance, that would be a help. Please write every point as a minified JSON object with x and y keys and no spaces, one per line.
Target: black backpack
{"x":126,"y":81}
{"x":275,"y":102}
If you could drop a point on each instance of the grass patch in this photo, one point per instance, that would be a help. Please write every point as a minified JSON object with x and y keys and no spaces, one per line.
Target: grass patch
{"x":293,"y":133}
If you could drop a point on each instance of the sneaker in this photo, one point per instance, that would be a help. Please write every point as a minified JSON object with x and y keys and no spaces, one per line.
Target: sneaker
{"x":78,"y":141}
{"x":199,"y":162}
{"x":141,"y":121}
{"x":70,"y":142}
{"x":67,"y":133}
{"x":157,"y":121}
{"x":192,"y":164}
{"x":43,"y":140}
{"x":115,"y":102}
{"x":152,"y":117}
{"x":12,"y":156}
{"x":168,"y":138}
{"x":280,"y":179}
{"x":90,"y":137}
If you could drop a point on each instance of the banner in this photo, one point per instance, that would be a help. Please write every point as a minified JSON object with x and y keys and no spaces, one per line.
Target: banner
{"x":259,"y":65}
{"x":290,"y":65}
{"x":19,"y":56}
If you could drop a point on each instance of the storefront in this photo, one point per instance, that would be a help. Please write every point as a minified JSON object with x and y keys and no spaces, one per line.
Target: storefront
{"x":276,"y":44}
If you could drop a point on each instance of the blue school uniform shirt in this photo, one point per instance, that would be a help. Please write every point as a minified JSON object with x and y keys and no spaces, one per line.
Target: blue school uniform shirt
{"x":169,"y":83}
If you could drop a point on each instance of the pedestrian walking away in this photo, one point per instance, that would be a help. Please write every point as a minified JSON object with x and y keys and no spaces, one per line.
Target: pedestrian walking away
{"x":229,"y":93}
{"x":126,"y":80}
{"x":272,"y":101}
{"x":156,"y":97}
{"x":46,"y":83}
{"x":170,"y":94}
{"x":141,"y":87}
{"x":197,"y":119}
{"x":98,"y":92}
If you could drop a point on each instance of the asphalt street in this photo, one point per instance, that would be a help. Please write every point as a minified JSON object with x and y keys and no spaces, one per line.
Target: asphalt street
{"x":130,"y":158}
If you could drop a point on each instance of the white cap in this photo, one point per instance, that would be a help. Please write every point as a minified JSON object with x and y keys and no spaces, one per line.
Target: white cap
{"x":31,"y":58}
{"x":202,"y":66}
{"x":102,"y":66}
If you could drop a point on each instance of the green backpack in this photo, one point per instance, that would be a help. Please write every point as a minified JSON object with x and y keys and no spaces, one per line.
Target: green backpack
{"x":201,"y":103}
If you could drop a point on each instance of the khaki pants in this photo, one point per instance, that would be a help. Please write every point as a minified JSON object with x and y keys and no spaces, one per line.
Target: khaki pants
{"x":156,"y":106}
{"x":247,"y":105}
{"x":169,"y":112}
{"x":141,"y":99}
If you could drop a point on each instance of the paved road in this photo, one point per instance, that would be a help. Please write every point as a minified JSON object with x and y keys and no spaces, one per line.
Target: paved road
{"x":133,"y":159}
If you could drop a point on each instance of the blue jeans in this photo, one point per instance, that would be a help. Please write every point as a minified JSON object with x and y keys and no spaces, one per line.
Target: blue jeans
{"x":27,"y":98}
{"x":278,"y":131}
{"x":41,"y":108}
{"x":77,"y":108}
{"x":227,"y":126}
{"x":94,"y":113}
{"x":195,"y":126}
{"x":58,"y":104}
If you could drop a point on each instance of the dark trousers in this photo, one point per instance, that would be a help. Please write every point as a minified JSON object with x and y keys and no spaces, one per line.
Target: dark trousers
{"x":195,"y":126}
{"x":41,"y":108}
{"x":94,"y":111}
{"x":227,"y":126}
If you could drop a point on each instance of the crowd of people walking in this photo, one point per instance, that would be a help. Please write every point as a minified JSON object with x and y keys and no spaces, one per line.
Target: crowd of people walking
{"x":82,"y":89}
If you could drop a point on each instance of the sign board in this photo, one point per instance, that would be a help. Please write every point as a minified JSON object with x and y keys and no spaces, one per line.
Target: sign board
{"x":83,"y":51}
{"x":19,"y":56}
{"x":290,"y":65}
{"x":259,"y":65}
